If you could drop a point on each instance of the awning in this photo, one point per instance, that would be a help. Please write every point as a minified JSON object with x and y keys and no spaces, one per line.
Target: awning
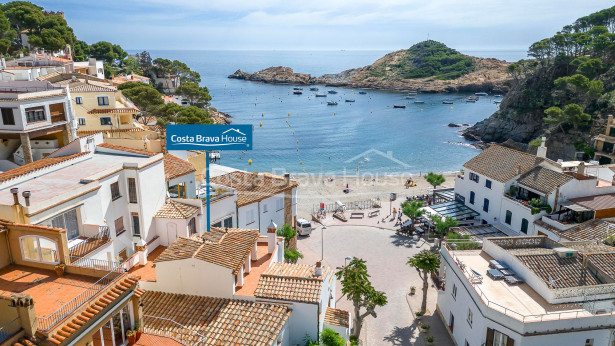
{"x":575,"y":207}
{"x":448,"y":194}
{"x":454,"y":209}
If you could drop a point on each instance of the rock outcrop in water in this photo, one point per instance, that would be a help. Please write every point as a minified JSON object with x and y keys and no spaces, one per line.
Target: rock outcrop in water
{"x":401,"y":70}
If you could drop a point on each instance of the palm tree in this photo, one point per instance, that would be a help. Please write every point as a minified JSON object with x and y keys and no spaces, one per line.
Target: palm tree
{"x":412,"y":210}
{"x":425,"y":263}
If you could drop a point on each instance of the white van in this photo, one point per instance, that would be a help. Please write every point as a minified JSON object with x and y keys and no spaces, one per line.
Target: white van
{"x":304,"y":227}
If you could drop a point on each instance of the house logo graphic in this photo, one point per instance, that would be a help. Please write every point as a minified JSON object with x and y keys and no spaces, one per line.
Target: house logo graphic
{"x":209,"y":137}
{"x":366,"y":157}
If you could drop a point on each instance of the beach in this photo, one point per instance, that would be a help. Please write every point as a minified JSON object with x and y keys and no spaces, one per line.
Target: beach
{"x":314,"y":189}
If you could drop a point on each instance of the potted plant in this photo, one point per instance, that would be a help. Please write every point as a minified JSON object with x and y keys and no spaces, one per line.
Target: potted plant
{"x":425,"y":328}
{"x":60,"y":268}
{"x":132,"y":336}
{"x":429,"y":339}
{"x":418,"y":315}
{"x":412,"y":290}
{"x":138,"y":329}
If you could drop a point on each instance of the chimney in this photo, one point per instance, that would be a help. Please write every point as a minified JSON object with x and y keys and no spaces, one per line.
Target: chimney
{"x":581,"y":168}
{"x":92,"y":62}
{"x":15,"y":191}
{"x":254,"y":179}
{"x":26,"y":195}
{"x":318,"y":271}
{"x":271,"y":234}
{"x":542,"y":150}
{"x":609,"y":122}
{"x":287,"y":178}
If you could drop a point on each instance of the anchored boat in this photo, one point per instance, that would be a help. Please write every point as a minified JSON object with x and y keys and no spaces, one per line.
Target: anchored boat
{"x":331,"y":103}
{"x":297,"y":92}
{"x":399,"y":106}
{"x":332,"y":92}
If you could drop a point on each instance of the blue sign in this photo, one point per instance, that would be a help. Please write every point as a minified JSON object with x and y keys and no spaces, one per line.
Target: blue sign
{"x":209,"y":137}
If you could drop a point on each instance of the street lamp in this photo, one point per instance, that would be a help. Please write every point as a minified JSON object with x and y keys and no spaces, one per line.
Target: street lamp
{"x":348,"y":258}
{"x":322,"y":243}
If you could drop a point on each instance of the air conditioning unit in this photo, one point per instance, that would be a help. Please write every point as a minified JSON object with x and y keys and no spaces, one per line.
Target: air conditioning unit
{"x":565,"y":252}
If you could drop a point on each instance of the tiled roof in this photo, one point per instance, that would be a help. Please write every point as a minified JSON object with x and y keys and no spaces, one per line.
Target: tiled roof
{"x":215,"y":321}
{"x":291,"y":282}
{"x":36,"y":165}
{"x":71,"y":326}
{"x":604,"y":262}
{"x":543,"y":179}
{"x":266,"y":185}
{"x":82,"y":133}
{"x":595,"y":229}
{"x":337,"y":317}
{"x":86,"y":87}
{"x":176,"y":210}
{"x":563,"y":272}
{"x":500,"y":163}
{"x":175,"y":167}
{"x":126,"y":149}
{"x":113,"y":110}
{"x":226,"y":248}
{"x":598,"y":202}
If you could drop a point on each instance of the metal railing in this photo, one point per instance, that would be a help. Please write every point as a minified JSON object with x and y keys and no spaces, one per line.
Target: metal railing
{"x":47,"y":322}
{"x":9,"y":329}
{"x":93,"y":263}
{"x":175,"y":331}
{"x":355,"y":205}
{"x":549,"y":316}
{"x":90,"y":244}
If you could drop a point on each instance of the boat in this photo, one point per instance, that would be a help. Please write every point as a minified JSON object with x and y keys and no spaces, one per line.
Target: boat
{"x":297,"y":88}
{"x":331,"y":103}
{"x":498,"y":95}
{"x":410,"y":97}
{"x":447,"y":102}
{"x":313,"y":89}
{"x":399,"y":106}
{"x":481,"y":94}
{"x":419,"y":101}
{"x":297,"y":92}
{"x":411,"y":94}
{"x":332,"y":92}
{"x":321,"y":95}
{"x":471,"y":100}
{"x":497,"y":101}
{"x":362,"y":92}
{"x":349,"y":100}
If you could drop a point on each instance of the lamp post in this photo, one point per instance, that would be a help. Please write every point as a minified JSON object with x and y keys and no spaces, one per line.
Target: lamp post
{"x":348,"y":258}
{"x":322,"y":243}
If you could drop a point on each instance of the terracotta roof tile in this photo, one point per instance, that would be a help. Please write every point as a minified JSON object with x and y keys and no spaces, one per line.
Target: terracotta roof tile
{"x":337,"y":317}
{"x":253,"y":187}
{"x":126,"y":149}
{"x":500,"y":163}
{"x":113,"y":110}
{"x":87,"y":87}
{"x":543,"y":179}
{"x":36,"y":165}
{"x":214,"y":321}
{"x":175,"y":167}
{"x":599,"y":202}
{"x":563,"y":272}
{"x":176,"y":210}
{"x":291,"y":282}
{"x":595,"y":229}
{"x":226,"y":248}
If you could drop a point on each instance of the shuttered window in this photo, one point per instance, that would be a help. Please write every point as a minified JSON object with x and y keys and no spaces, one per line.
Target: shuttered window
{"x":119,"y":225}
{"x":115,"y":191}
{"x":192,"y":226}
{"x":132,"y":190}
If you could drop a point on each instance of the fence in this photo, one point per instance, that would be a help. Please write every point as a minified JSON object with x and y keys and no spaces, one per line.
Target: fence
{"x":90,"y":244}
{"x":93,"y":263}
{"x":45,"y":323}
{"x":173,"y":330}
{"x":9,"y":329}
{"x":356,"y":205}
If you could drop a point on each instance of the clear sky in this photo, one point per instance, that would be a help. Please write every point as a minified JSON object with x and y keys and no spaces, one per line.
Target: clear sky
{"x":319,"y":24}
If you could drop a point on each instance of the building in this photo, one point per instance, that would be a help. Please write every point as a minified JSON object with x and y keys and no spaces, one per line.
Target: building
{"x":179,"y":175}
{"x":34,"y":111}
{"x":262,"y":198}
{"x":92,"y":67}
{"x":33,"y":66}
{"x":544,"y":292}
{"x":605,"y":143}
{"x":82,"y":306}
{"x":168,"y":83}
{"x":121,"y":79}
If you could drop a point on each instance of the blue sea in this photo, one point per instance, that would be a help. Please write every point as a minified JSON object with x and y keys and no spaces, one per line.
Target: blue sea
{"x":301,"y":133}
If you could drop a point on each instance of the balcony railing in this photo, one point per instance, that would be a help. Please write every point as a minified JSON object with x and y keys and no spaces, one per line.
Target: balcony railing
{"x":88,"y":245}
{"x":9,"y":329}
{"x":46,"y":323}
{"x":519,"y":201}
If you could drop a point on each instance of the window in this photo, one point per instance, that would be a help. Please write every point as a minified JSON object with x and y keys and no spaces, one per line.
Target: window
{"x":472,"y":195}
{"x":40,"y":249}
{"x":250,"y":217}
{"x":454,"y":293}
{"x":508,"y":217}
{"x":79,"y":100}
{"x":192,"y":226}
{"x":81,"y":121}
{"x":486,"y":205}
{"x":451,"y":323}
{"x":7,"y":116}
{"x":264,"y":207}
{"x":103,"y":100}
{"x":35,"y":114}
{"x":279,"y":204}
{"x":136,"y":228}
{"x":524,"y":224}
{"x":132,"y":190}
{"x":488,"y":183}
{"x":105,"y":121}
{"x":496,"y":338}
{"x":119,"y":225}
{"x":115,"y":191}
{"x":474,"y":177}
{"x":69,"y":222}
{"x":470,"y":316}
{"x":228,"y":222}
{"x":589,"y":342}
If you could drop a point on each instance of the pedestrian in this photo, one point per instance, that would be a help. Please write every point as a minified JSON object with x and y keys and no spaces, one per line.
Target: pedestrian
{"x":394,"y":213}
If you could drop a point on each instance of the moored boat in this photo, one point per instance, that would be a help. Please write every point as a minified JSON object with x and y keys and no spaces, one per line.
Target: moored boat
{"x":332,"y":92}
{"x":297,"y":88}
{"x":419,"y":101}
{"x":409,"y":97}
{"x":399,"y":106}
{"x":313,"y":89}
{"x":498,"y":95}
{"x":297,"y":92}
{"x":447,"y":102}
{"x":349,"y":100}
{"x":331,"y":103}
{"x":497,"y":101}
{"x":481,"y":94}
{"x":321,"y":95}
{"x":471,"y":100}
{"x":362,"y":92}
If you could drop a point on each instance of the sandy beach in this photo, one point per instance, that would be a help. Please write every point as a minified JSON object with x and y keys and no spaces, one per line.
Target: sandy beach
{"x":314,"y":189}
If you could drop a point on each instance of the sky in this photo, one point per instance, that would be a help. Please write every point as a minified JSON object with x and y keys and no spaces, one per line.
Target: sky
{"x":319,"y":24}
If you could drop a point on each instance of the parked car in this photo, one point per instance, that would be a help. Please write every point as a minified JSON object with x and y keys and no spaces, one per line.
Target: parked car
{"x":304,"y":227}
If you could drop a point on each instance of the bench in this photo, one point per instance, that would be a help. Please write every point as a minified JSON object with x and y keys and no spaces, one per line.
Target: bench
{"x":373,"y":213}
{"x":357,"y":215}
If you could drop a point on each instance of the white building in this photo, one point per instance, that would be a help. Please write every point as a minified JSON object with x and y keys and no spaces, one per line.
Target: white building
{"x":563,"y":295}
{"x":167,"y":84}
{"x":92,"y":67}
{"x":179,"y":175}
{"x":262,"y":198}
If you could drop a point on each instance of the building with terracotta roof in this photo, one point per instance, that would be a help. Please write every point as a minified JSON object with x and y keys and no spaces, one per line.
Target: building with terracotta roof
{"x":528,"y":290}
{"x":121,"y":79}
{"x":79,"y":304}
{"x":92,"y":67}
{"x":37,"y":118}
{"x":180,"y":177}
{"x":262,"y":198}
{"x":33,"y":66}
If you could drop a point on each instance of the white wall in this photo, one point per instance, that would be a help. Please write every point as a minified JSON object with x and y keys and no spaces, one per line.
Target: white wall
{"x":189,"y":180}
{"x":494,"y":195}
{"x":269,"y":211}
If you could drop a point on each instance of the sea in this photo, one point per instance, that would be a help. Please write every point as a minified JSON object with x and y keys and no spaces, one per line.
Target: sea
{"x":302,"y":134}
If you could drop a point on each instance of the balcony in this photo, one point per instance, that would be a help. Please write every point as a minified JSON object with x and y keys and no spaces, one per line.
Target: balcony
{"x":57,"y":117}
{"x":84,"y":246}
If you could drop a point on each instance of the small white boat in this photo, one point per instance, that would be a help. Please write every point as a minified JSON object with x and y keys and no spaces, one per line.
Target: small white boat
{"x":470,"y":100}
{"x":498,"y":95}
{"x":410,"y":97}
{"x":297,"y":92}
{"x":331,"y":103}
{"x":297,"y":88}
{"x":419,"y":101}
{"x":313,"y":89}
{"x":481,"y":94}
{"x":447,"y":102}
{"x":497,"y":101}
{"x":349,"y":100}
{"x":321,"y":95}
